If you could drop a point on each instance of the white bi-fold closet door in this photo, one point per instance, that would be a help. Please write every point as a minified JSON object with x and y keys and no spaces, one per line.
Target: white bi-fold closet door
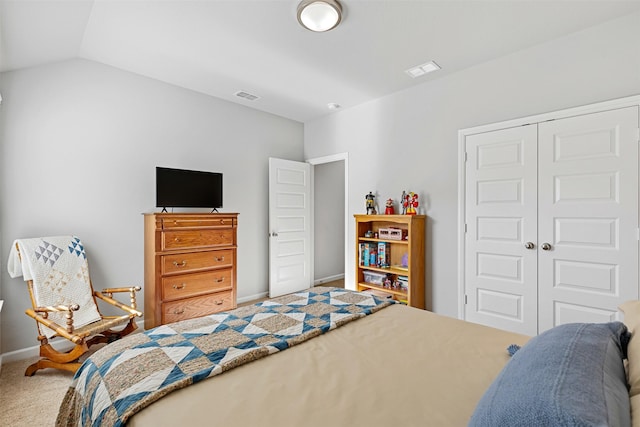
{"x":551,"y":218}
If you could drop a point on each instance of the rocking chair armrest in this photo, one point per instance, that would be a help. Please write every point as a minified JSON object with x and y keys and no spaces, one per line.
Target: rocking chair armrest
{"x":56,"y":308}
{"x":108,"y":293}
{"x":61,"y":331}
{"x":115,"y":290}
{"x":129,"y":309}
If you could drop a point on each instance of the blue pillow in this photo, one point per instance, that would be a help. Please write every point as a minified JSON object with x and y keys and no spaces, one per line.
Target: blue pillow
{"x":571,"y":375}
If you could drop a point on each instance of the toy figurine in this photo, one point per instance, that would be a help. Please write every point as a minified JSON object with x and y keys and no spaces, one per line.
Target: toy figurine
{"x":405,"y":203}
{"x":388,"y":281}
{"x":412,"y":203}
{"x":371,"y":203}
{"x":389,"y":207}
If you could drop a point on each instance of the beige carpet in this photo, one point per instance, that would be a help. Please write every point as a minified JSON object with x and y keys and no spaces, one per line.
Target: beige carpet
{"x":34,"y":401}
{"x":31,"y":401}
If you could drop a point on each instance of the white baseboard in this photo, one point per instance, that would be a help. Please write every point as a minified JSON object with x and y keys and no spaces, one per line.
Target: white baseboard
{"x":328,"y":279}
{"x":253,"y":297}
{"x":26,"y":353}
{"x":59,"y":344}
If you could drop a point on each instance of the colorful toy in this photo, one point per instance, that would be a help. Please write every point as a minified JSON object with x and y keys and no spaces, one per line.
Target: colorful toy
{"x":389,"y":207}
{"x":410,"y":203}
{"x":388,"y":281}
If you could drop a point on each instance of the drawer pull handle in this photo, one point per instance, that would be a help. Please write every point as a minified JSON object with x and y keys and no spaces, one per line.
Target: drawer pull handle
{"x":178,"y":311}
{"x":219,"y":259}
{"x":219,"y":302}
{"x":222,"y":221}
{"x":177,"y":239}
{"x":181,"y":264}
{"x":220,"y":280}
{"x":180,"y":286}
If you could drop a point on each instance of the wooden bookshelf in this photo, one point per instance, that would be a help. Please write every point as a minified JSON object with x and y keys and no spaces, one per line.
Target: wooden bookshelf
{"x":413,"y":230}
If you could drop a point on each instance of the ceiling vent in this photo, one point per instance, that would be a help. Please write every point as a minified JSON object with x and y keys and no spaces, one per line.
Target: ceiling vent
{"x":423,"y":69}
{"x":246,"y":95}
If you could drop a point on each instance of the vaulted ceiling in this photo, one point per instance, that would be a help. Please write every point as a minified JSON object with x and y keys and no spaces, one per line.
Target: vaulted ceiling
{"x":221,"y":47}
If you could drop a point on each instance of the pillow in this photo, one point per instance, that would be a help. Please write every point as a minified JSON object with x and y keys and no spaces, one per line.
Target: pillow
{"x":631,"y":311}
{"x":571,"y":375}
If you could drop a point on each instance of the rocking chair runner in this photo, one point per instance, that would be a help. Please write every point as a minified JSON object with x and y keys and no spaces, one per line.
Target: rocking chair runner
{"x":57,"y":276}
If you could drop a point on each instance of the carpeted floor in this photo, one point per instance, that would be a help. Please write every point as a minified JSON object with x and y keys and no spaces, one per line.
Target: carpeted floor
{"x":34,"y":401}
{"x":31,"y":401}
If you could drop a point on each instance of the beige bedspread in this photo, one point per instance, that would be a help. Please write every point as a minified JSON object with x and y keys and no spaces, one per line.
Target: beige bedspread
{"x":399,"y":367}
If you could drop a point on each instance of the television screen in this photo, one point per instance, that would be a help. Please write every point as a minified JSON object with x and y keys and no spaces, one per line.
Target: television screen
{"x":180,"y":188}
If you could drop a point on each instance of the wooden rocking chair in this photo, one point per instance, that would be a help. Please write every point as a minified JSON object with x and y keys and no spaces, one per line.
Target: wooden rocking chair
{"x":98,"y":330}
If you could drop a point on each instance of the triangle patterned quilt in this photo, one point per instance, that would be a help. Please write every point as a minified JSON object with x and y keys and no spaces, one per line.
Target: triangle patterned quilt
{"x":128,"y":375}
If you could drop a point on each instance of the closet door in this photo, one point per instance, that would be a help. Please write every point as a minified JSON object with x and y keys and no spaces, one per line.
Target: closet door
{"x":500,"y":238}
{"x":588,"y":216}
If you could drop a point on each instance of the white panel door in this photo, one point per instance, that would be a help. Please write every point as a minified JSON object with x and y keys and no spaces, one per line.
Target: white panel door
{"x":290,"y":226}
{"x":501,"y":235}
{"x":588,"y":217}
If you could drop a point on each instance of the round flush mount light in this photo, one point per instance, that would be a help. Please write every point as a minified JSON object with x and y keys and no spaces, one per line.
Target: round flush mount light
{"x":319,"y":15}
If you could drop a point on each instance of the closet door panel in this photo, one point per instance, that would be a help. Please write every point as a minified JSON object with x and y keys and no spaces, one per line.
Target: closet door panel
{"x":588,"y":215}
{"x":500,"y":278}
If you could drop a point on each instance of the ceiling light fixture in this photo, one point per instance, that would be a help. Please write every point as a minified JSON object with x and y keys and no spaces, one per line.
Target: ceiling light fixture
{"x":423,"y":69}
{"x":319,"y":15}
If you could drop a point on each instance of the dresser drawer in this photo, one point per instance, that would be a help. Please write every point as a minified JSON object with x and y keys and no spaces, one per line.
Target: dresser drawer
{"x":186,"y":222}
{"x":187,"y":285}
{"x":197,"y":306}
{"x":185,"y":239}
{"x":182,"y":263}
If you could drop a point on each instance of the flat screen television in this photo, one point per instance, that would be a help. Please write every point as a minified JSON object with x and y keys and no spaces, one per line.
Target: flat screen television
{"x":181,"y":188}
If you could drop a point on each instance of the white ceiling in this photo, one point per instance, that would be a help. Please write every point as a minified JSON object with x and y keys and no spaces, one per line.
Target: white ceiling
{"x":221,"y":47}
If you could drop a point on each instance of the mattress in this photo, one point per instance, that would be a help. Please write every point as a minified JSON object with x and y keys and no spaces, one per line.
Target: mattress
{"x":399,"y":366}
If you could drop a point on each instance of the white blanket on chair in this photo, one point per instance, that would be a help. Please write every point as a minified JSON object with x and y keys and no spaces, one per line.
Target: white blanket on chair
{"x":60,"y":273}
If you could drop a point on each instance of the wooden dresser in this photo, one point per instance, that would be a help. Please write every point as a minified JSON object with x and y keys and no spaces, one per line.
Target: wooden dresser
{"x":189,"y":265}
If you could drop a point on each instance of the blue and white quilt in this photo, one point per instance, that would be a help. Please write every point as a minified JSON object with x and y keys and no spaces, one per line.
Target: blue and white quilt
{"x":128,"y":375}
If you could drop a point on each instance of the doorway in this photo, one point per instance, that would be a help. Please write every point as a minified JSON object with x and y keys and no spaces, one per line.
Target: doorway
{"x":329,"y":211}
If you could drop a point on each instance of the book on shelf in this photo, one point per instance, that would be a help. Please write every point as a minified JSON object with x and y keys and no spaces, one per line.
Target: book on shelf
{"x":383,"y":254}
{"x":368,"y":254}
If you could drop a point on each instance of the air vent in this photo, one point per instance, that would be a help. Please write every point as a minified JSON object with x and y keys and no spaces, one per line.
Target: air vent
{"x":423,"y":69}
{"x":246,"y":95}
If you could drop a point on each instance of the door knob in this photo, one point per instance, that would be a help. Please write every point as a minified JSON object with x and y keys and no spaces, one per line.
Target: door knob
{"x":529,"y":245}
{"x":274,"y":234}
{"x":546,"y":246}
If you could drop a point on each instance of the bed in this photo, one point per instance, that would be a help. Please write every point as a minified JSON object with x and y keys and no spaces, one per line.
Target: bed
{"x":387,"y":364}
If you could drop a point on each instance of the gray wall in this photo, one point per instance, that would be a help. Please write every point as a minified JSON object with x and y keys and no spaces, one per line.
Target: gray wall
{"x":79,"y":146}
{"x":414,"y":134}
{"x":328,"y":249}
